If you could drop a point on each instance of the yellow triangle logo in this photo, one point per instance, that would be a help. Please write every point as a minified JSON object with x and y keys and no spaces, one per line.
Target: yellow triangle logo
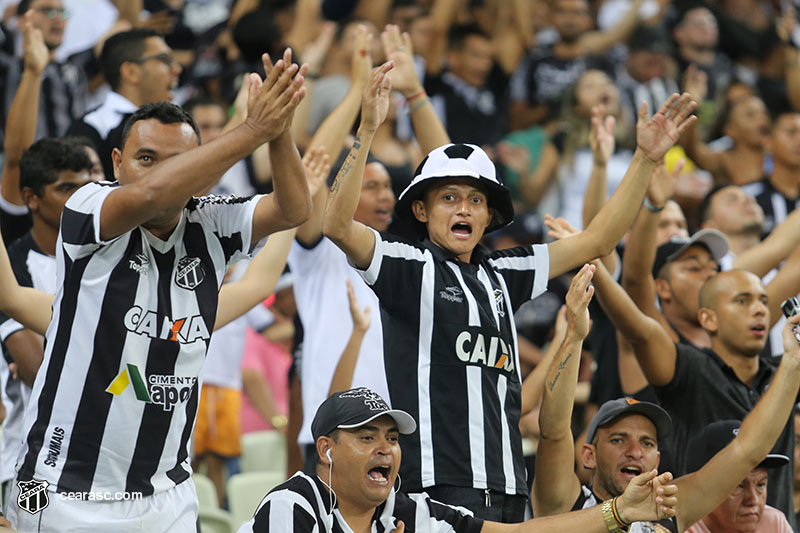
{"x":119,"y":384}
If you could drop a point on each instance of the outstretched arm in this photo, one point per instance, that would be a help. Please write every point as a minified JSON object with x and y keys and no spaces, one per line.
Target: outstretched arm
{"x":354,"y":238}
{"x":171,"y":183}
{"x":769,"y":253}
{"x":238,"y":297}
{"x":30,"y":307}
{"x":555,"y":486}
{"x":24,"y":110}
{"x":703,"y":490}
{"x":598,"y":42}
{"x":654,"y":137}
{"x":333,"y":131}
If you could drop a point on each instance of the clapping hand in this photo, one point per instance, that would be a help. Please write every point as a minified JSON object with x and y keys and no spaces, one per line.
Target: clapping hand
{"x":317,"y":167}
{"x":398,"y":49}
{"x":601,"y":137}
{"x":657,"y":135}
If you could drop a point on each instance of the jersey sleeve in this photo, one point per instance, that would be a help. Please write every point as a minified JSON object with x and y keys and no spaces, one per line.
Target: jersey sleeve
{"x":438,"y":517}
{"x":396,"y":272}
{"x":231,"y":220}
{"x":282,"y":512}
{"x":80,"y":221}
{"x":525,"y":270}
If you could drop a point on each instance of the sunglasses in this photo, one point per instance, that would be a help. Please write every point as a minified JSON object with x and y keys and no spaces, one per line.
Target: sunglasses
{"x":164,"y":57}
{"x":53,"y":12}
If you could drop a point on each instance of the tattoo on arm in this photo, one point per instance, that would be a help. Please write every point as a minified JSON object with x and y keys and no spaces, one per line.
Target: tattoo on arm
{"x":561,"y":366}
{"x":347,"y":165}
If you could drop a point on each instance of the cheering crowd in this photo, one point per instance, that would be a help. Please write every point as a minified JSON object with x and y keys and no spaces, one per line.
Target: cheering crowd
{"x":488,"y":265}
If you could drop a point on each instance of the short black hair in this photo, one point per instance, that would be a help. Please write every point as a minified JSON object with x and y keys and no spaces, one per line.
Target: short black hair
{"x":203,"y":100}
{"x":705,"y":205}
{"x":23,"y":7}
{"x":121,"y":48}
{"x":165,"y":113}
{"x":44,"y":159}
{"x":457,"y":38}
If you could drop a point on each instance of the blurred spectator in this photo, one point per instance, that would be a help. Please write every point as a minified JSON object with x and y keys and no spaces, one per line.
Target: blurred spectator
{"x":140,"y":68}
{"x":64,"y":85}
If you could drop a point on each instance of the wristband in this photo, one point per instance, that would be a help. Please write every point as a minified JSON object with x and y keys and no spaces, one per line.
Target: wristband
{"x":652,"y":208}
{"x":416,"y":95}
{"x":624,"y":526}
{"x":417,"y":105}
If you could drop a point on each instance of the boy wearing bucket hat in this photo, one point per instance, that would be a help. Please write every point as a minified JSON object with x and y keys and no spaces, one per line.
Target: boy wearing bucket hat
{"x":447,"y":304}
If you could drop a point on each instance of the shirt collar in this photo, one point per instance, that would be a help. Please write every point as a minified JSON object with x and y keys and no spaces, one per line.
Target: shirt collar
{"x":478,"y":254}
{"x":119,"y":103}
{"x":766,"y":368}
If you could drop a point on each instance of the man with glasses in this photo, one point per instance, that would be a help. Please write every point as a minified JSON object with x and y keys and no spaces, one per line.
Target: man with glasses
{"x":140,"y":68}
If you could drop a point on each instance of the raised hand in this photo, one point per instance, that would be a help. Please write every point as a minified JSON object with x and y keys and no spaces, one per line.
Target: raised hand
{"x":559,"y":227}
{"x":315,"y":52}
{"x":601,"y":137}
{"x":578,"y":298}
{"x":398,"y":49}
{"x":517,"y":158}
{"x":271,"y":102}
{"x":37,"y":56}
{"x":375,"y":99}
{"x":317,"y":167}
{"x":660,"y":133}
{"x":785,"y":25}
{"x":361,"y":317}
{"x":648,"y":496}
{"x":361,"y":64}
{"x":695,"y":82}
{"x":791,"y":344}
{"x":663,"y":183}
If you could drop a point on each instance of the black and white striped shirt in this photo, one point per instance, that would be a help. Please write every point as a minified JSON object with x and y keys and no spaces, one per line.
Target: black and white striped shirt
{"x":300,"y":505}
{"x":115,"y":399}
{"x":450,"y":353}
{"x":776,"y":206}
{"x":64,"y":95}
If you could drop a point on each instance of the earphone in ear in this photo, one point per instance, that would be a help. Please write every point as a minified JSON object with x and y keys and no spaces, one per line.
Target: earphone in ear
{"x":328,"y":455}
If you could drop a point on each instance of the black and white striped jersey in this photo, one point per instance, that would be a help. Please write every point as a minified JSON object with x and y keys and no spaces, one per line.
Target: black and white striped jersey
{"x":450,"y":353}
{"x":587,"y":500}
{"x":114,"y":403}
{"x":301,"y":505}
{"x":32,"y":268}
{"x":776,"y":206}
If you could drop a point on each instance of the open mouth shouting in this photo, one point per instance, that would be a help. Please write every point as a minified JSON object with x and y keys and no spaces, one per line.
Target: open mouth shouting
{"x":461,"y":230}
{"x":630,"y":471}
{"x":379,"y":474}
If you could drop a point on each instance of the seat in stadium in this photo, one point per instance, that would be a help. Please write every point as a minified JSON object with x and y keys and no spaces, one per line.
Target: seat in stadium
{"x":214,"y":520}
{"x":206,"y":491}
{"x":246,"y":490}
{"x":264,"y":451}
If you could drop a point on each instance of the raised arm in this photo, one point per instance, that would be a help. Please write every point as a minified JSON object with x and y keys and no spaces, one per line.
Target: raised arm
{"x":654,"y":137}
{"x":696,"y":84}
{"x":171,"y":183}
{"x":442,"y":14}
{"x":601,"y":141}
{"x":343,"y":375}
{"x":354,"y":238}
{"x":640,"y":252}
{"x":30,"y":307}
{"x":784,"y":285}
{"x":333,"y":131}
{"x":259,"y":280}
{"x":703,"y":490}
{"x":533,"y":386}
{"x":428,"y":128}
{"x":598,"y":42}
{"x":555,"y":486}
{"x":24,"y":110}
{"x":769,"y":253}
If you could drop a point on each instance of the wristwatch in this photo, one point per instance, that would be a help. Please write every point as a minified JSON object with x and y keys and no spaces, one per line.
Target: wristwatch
{"x":612,"y":523}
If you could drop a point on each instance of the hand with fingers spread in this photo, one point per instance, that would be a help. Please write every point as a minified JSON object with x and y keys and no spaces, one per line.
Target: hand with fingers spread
{"x":578,"y":297}
{"x":397,"y":47}
{"x":375,"y":99}
{"x":271,"y":102}
{"x":658,"y":134}
{"x":785,"y":25}
{"x":37,"y":56}
{"x":318,"y":167}
{"x":517,"y":158}
{"x":315,"y":52}
{"x":663,"y":183}
{"x":361,"y":317}
{"x":361,"y":64}
{"x":647,"y":497}
{"x":601,"y":137}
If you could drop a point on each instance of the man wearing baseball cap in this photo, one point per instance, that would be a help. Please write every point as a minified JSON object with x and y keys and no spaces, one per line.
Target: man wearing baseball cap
{"x":450,"y":347}
{"x":622,"y":439}
{"x":745,"y":507}
{"x":356,"y":486}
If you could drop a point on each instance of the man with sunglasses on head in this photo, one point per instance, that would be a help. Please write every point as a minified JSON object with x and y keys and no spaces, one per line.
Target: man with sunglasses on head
{"x":140,"y":68}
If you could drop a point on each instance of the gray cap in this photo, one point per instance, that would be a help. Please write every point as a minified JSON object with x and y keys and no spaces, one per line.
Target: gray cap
{"x":615,"y":408}
{"x":714,"y":241}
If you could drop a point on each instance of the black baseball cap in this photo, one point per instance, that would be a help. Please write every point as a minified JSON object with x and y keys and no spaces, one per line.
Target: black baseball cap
{"x":714,"y":241}
{"x":613,"y":409}
{"x":354,"y":408}
{"x":714,"y":437}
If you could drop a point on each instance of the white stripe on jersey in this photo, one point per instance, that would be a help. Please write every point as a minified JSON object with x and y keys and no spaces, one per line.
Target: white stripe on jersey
{"x":539,"y":261}
{"x":477,"y":448}
{"x":391,"y":249}
{"x":778,"y":209}
{"x":426,"y":306}
{"x":508,"y":463}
